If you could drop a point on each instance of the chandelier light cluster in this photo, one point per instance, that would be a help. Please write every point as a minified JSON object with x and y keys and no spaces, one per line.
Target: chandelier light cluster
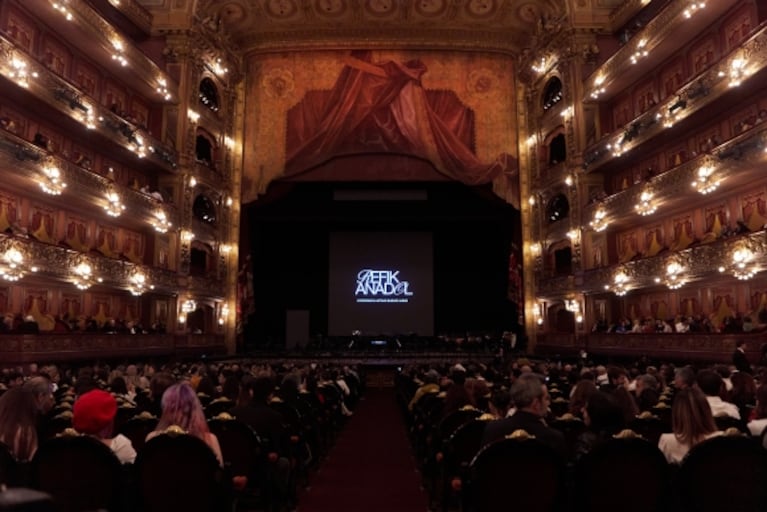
{"x":18,"y":72}
{"x":138,"y":283}
{"x":83,"y":276}
{"x":743,"y":266}
{"x":51,"y":181}
{"x":160,"y":222}
{"x":645,"y":206}
{"x":114,"y":206}
{"x":694,"y":7}
{"x":13,"y":265}
{"x":674,"y":277}
{"x":705,"y":182}
{"x":599,"y":222}
{"x":737,"y":72}
{"x":620,"y":285}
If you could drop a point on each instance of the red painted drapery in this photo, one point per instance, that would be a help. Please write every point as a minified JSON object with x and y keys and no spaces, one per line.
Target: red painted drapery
{"x":383,"y":108}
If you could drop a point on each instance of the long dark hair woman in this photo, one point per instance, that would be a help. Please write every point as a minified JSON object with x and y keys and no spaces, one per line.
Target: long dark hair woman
{"x":18,"y":423}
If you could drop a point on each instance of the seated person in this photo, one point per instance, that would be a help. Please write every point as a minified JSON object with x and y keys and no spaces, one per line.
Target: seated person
{"x":691,"y":422}
{"x":94,"y":414}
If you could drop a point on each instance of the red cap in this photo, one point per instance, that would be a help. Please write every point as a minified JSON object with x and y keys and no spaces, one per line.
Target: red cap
{"x":93,"y":412}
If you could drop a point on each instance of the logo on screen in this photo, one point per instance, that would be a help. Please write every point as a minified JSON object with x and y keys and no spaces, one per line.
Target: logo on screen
{"x":381,"y":286}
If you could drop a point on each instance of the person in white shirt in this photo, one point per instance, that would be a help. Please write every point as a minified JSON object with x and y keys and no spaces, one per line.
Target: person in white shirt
{"x":712,"y":385}
{"x":757,"y":425}
{"x":691,"y":423}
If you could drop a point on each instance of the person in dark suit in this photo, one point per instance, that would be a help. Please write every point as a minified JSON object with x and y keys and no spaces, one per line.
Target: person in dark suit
{"x":531,"y":400}
{"x":739,"y":359}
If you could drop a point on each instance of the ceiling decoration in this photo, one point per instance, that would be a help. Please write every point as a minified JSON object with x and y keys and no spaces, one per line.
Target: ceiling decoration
{"x":505,"y":25}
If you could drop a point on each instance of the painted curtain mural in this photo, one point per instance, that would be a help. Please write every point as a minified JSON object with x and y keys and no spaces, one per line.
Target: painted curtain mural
{"x":455,"y":111}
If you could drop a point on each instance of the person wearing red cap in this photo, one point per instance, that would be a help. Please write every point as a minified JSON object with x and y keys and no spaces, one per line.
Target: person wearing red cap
{"x":94,"y":414}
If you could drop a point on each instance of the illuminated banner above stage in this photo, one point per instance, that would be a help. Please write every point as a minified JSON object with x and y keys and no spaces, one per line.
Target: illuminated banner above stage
{"x":381,"y":286}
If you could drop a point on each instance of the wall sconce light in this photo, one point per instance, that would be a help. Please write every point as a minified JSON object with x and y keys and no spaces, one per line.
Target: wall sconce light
{"x":192,"y":182}
{"x":569,"y":180}
{"x":186,"y":236}
{"x":189,"y":306}
{"x":218,"y":68}
{"x":192,"y":115}
{"x":225,"y":249}
{"x":573,"y":234}
{"x":83,"y":276}
{"x":224,"y":314}
{"x":13,"y":267}
{"x":538,"y":313}
{"x":138,"y":283}
{"x":574,"y":307}
{"x":535,"y":248}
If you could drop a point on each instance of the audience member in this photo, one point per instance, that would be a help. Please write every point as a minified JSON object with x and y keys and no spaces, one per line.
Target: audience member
{"x":18,"y":422}
{"x":739,"y":358}
{"x":758,"y":423}
{"x":691,"y":423}
{"x":429,"y":385}
{"x":603,"y":417}
{"x":94,"y":414}
{"x":684,"y":377}
{"x":182,"y":408}
{"x":712,"y":385}
{"x":531,"y":399}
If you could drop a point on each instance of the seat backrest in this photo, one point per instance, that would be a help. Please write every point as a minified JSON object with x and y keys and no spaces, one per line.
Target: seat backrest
{"x":137,"y":428}
{"x":463,"y":445}
{"x":80,"y":472}
{"x":21,"y":499}
{"x":725,"y":422}
{"x":179,"y":472}
{"x":218,"y":406}
{"x":650,"y":427}
{"x":517,"y":474}
{"x":455,"y":419}
{"x":723,"y":473}
{"x":627,"y":474}
{"x":240,"y":445}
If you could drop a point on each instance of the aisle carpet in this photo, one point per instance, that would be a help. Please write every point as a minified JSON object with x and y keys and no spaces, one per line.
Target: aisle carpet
{"x":371,"y":467}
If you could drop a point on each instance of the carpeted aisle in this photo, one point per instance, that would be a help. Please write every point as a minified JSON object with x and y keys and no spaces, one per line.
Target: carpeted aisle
{"x":371,"y":467}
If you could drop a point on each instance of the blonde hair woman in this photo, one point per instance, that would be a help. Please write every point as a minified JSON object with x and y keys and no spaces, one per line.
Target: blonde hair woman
{"x":691,"y":423}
